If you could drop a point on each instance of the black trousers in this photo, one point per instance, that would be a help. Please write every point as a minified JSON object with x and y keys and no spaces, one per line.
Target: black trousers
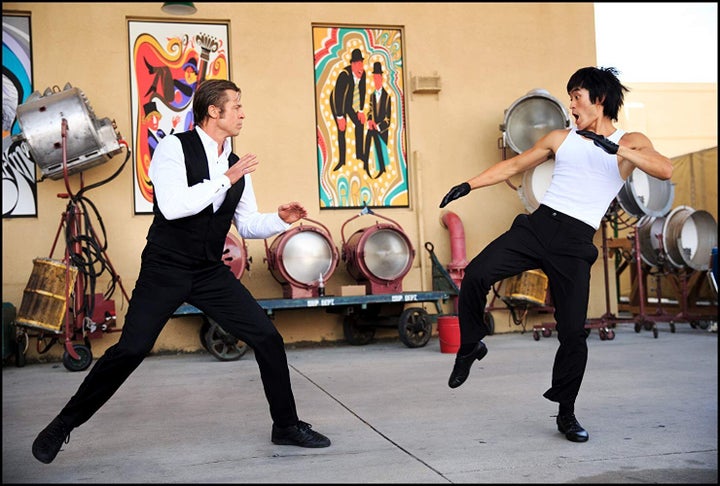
{"x":167,"y":280}
{"x":563,"y":248}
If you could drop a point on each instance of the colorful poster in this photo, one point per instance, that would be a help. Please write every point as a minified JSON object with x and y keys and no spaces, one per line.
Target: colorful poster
{"x":360,"y":113}
{"x":168,"y":60}
{"x":19,"y":187}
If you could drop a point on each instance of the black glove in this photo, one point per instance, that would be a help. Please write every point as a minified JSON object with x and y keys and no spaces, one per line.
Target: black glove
{"x":456,"y":192}
{"x":600,"y":141}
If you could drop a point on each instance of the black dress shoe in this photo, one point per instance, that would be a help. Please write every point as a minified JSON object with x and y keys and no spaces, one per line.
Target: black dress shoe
{"x":461,"y":370}
{"x":300,"y":435}
{"x":48,"y":442}
{"x":568,"y":425}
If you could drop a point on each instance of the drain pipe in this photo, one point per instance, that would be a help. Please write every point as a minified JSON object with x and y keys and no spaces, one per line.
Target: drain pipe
{"x":456,"y":268}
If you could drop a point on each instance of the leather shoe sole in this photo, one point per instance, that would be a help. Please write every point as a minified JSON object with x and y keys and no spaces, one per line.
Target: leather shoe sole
{"x":461,"y":370}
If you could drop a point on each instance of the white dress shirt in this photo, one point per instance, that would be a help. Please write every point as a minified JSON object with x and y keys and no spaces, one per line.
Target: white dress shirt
{"x":178,"y":200}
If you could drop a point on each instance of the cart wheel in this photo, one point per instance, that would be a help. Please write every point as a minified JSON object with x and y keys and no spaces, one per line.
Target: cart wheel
{"x":655,"y":332}
{"x":610,"y":334}
{"x":649,"y":325}
{"x":21,"y":345}
{"x":414,"y":327}
{"x":638,"y":327}
{"x":81,"y":364}
{"x":536,"y":336}
{"x":223,"y":345}
{"x":704,"y":324}
{"x":546,"y":332}
{"x":672,"y":327}
{"x":204,"y":328}
{"x":489,"y":322}
{"x":356,"y":334}
{"x":694,"y":324}
{"x":603,"y":334}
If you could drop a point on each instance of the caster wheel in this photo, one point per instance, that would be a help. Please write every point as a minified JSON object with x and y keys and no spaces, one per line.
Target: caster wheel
{"x":81,"y":364}
{"x":672,"y":327}
{"x":547,"y":333}
{"x":610,"y":334}
{"x":655,"y":332}
{"x":536,"y":336}
{"x":603,"y":334}
{"x":638,"y":327}
{"x":489,"y":322}
{"x":355,"y":333}
{"x":414,"y":327}
{"x":648,"y":325}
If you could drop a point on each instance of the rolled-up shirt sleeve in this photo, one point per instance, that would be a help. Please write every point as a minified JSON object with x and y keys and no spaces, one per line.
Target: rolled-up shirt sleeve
{"x":168,"y":175}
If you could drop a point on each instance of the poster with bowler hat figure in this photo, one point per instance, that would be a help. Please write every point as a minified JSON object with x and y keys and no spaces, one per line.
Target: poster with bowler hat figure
{"x":168,"y":60}
{"x":360,"y":114}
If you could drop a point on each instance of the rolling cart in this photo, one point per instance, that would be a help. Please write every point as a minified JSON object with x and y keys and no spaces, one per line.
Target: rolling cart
{"x":362,"y":315}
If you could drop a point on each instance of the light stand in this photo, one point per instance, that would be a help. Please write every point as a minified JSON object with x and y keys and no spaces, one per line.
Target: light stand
{"x":84,"y":313}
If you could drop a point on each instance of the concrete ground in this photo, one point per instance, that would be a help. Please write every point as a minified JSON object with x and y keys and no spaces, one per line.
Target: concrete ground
{"x":650,"y":406}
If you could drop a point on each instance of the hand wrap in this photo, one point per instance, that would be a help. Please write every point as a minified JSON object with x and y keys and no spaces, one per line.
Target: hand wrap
{"x":600,"y":141}
{"x":456,"y":192}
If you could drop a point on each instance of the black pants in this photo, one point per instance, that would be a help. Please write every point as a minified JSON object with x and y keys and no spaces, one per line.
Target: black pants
{"x":167,"y":280}
{"x":563,"y":248}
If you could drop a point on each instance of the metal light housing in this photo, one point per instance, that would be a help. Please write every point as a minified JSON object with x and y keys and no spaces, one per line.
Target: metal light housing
{"x":302,"y":259}
{"x":530,"y":118}
{"x":235,"y":255}
{"x":643,"y":194}
{"x":378,"y":256}
{"x":90,"y":141}
{"x":689,"y":235}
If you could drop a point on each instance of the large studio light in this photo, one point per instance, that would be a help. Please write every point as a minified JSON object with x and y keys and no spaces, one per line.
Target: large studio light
{"x":235,"y":255}
{"x":90,"y":141}
{"x":643,"y":194}
{"x":302,"y":259}
{"x":530,"y":118}
{"x":378,"y":256}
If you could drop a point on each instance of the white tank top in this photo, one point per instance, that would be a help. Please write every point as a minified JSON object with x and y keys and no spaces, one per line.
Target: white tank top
{"x":585,"y":180}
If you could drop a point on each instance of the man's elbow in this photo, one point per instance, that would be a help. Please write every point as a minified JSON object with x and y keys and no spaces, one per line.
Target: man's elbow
{"x":666,"y":172}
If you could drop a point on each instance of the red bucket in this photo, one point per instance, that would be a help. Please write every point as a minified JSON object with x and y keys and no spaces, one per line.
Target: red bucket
{"x":449,"y":333}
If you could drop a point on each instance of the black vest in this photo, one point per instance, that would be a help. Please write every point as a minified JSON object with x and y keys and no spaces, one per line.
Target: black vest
{"x":201,"y":236}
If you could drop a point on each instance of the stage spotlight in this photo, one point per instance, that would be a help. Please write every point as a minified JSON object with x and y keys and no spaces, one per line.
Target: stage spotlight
{"x":90,"y":141}
{"x":530,"y":118}
{"x":235,"y":255}
{"x":378,"y":256}
{"x":302,"y":259}
{"x":643,"y":194}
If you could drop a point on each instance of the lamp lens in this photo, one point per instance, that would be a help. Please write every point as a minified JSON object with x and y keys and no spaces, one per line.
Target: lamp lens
{"x":386,"y":254}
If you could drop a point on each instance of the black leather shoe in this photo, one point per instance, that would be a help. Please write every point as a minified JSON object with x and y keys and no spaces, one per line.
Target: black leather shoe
{"x":300,"y":435}
{"x":48,"y":442}
{"x":568,"y":425}
{"x":461,"y":370}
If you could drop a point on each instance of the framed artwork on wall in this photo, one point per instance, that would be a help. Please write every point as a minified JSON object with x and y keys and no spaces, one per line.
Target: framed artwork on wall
{"x":168,"y":60}
{"x":19,"y":185}
{"x":360,"y":117}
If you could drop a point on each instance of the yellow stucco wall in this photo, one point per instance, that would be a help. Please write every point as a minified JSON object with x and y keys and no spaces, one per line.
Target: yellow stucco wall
{"x":487,"y":55}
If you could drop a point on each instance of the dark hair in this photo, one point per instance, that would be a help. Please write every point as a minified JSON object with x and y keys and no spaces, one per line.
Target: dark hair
{"x":211,"y":92}
{"x":603,"y":85}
